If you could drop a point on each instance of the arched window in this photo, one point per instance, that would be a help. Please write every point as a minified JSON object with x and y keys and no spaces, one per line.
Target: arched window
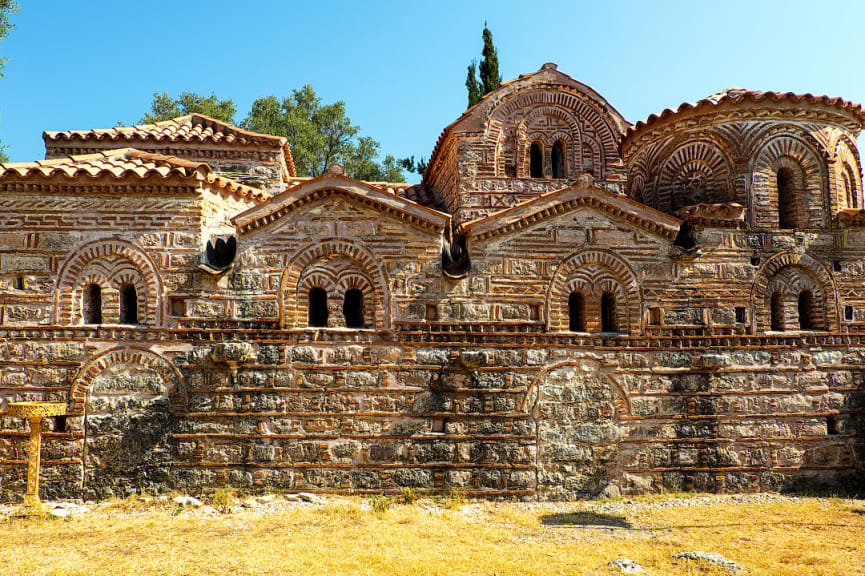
{"x":577,"y":312}
{"x":536,"y":160}
{"x":806,"y":310}
{"x":786,"y":201}
{"x":608,"y":312}
{"x":128,"y":304}
{"x":92,"y":304}
{"x":352,"y":308}
{"x":776,"y":309}
{"x":849,"y":189}
{"x":559,"y":159}
{"x":317,"y":308}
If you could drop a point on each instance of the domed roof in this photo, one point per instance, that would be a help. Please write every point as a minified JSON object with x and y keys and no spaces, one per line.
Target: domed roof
{"x":744,"y":102}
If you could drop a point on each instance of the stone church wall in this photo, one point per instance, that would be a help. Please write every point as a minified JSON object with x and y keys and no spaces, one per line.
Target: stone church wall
{"x":539,"y":416}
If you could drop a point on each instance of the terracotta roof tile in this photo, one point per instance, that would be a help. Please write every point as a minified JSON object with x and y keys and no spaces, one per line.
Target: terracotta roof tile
{"x":742,"y":95}
{"x":189,"y":128}
{"x":122,"y":163}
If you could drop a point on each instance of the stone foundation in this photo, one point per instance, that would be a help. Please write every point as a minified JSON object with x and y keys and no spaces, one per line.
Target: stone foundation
{"x":490,"y":414}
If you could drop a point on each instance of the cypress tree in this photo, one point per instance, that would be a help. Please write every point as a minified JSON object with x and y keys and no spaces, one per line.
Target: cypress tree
{"x":490,"y":77}
{"x":472,"y":85}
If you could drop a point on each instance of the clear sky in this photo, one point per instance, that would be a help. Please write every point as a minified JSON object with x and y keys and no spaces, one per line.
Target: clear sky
{"x":401,"y":66}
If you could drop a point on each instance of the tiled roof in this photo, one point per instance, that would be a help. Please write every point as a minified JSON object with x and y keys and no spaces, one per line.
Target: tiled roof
{"x":417,"y":193}
{"x":189,"y":128}
{"x":124,"y":163}
{"x":741,"y":95}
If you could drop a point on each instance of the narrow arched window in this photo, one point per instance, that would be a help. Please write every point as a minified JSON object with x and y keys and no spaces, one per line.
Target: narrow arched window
{"x":92,"y":304}
{"x":536,"y":160}
{"x":608,"y":312}
{"x":352,"y":308}
{"x":786,"y":201}
{"x":576,"y":312}
{"x":128,"y":304}
{"x":776,"y":310}
{"x":559,"y":159}
{"x":806,"y":310}
{"x":317,"y":308}
{"x":849,"y":189}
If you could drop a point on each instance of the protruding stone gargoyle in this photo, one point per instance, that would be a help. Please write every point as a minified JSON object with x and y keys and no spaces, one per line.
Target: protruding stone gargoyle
{"x":219,"y":255}
{"x":455,"y":257}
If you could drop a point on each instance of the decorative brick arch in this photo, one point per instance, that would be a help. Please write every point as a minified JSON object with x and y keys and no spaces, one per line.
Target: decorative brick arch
{"x":848,"y":176}
{"x":801,"y":264}
{"x":336,"y":277}
{"x":595,"y":120}
{"x":110,"y":263}
{"x":621,"y":400}
{"x":127,"y":355}
{"x":693,"y":171}
{"x":293,"y":309}
{"x":528,"y":131}
{"x":789,"y":150}
{"x":616,"y":270}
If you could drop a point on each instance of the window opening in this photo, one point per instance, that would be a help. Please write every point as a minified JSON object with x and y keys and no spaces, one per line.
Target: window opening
{"x":848,"y":312}
{"x":558,"y":159}
{"x":352,"y":308}
{"x":536,"y":160}
{"x":93,"y":304}
{"x":128,"y":304}
{"x":786,"y":207}
{"x":806,"y":310}
{"x":576,"y":312}
{"x":740,"y":314}
{"x":608,"y":312}
{"x":777,"y":311}
{"x":317,"y":308}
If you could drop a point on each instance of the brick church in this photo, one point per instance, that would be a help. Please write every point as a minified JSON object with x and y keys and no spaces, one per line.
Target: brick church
{"x":567,"y":305}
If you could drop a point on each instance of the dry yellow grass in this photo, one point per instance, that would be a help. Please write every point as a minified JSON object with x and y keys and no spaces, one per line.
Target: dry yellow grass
{"x":808,"y":537}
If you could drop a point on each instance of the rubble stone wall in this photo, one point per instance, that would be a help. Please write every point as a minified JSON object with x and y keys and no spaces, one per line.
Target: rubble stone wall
{"x":494,"y":414}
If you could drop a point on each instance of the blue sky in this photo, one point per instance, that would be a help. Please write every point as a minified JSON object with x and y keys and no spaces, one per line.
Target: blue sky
{"x":400,"y":66}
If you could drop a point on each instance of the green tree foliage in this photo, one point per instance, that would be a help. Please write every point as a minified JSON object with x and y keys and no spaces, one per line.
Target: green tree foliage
{"x":472,"y":85}
{"x":489,"y":69}
{"x":321,"y":135}
{"x":410,"y":165}
{"x":490,"y":79}
{"x":164,"y":107}
{"x":7,"y":7}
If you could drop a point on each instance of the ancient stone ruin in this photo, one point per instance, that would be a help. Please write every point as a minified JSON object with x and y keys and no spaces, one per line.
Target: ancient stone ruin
{"x":567,"y":305}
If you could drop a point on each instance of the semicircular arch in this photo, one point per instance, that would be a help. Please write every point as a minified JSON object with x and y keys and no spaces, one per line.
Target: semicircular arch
{"x":308,"y":255}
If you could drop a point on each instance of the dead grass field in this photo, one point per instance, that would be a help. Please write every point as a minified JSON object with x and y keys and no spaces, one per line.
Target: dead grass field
{"x":771,"y":536}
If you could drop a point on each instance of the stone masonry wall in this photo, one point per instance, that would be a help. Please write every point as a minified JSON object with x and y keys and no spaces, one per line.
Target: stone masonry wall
{"x":492,"y":414}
